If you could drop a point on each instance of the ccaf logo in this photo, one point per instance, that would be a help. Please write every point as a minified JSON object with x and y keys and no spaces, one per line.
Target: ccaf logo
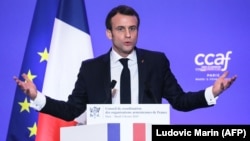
{"x":94,"y":112}
{"x":212,"y":62}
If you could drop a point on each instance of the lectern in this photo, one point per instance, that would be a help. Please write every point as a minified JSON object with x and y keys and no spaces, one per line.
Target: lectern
{"x":121,"y":122}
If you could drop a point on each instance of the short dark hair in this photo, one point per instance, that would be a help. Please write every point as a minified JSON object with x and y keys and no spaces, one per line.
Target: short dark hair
{"x":122,"y":9}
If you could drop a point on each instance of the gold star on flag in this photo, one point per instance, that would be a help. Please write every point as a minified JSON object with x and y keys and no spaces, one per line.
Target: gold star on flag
{"x":44,"y":55}
{"x":30,"y":76}
{"x":33,"y":130}
{"x":24,"y":105}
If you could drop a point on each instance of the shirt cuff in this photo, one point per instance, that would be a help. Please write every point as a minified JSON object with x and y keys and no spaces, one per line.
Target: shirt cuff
{"x":211,"y":100}
{"x":39,"y":102}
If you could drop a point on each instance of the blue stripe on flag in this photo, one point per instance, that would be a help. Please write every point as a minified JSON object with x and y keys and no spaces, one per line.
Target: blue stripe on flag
{"x":113,"y":132}
{"x":70,"y":13}
{"x":23,"y":120}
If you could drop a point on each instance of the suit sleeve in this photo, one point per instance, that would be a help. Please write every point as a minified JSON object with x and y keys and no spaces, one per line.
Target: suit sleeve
{"x":173,"y":92}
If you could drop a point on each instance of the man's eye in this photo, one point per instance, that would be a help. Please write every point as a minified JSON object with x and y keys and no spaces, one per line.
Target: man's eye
{"x":120,"y":28}
{"x":133,"y":28}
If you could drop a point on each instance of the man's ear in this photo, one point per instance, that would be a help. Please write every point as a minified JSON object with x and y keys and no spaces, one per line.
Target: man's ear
{"x":109,"y":34}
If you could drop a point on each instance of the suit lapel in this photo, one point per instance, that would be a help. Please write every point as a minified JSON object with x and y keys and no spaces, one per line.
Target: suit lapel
{"x":141,"y":73}
{"x":107,"y":77}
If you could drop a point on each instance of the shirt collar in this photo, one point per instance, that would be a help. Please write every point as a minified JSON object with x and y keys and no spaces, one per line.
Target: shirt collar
{"x":115,"y":57}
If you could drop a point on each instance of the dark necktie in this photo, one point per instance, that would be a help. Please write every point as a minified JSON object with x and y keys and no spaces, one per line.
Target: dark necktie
{"x":125,"y":92}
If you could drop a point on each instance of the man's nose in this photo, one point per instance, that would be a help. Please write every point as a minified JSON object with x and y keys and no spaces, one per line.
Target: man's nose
{"x":127,"y":33}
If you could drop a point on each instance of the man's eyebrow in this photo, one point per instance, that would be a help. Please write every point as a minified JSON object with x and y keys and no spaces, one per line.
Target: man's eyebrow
{"x":127,"y":26}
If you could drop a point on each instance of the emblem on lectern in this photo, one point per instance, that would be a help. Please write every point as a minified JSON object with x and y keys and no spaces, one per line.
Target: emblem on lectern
{"x":94,"y":112}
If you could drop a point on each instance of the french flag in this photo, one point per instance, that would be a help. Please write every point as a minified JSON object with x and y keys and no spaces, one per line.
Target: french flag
{"x":108,"y":132}
{"x":70,"y":45}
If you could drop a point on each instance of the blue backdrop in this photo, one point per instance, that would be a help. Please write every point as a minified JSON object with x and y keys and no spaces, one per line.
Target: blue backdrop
{"x":200,"y":38}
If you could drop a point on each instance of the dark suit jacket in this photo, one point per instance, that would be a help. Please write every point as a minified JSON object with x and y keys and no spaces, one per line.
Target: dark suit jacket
{"x":156,"y":81}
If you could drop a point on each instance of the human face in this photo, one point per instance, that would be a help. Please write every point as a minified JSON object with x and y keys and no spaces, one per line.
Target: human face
{"x":124,"y":33}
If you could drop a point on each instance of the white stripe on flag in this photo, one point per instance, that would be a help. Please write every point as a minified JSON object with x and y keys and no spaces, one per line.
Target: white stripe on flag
{"x":126,"y":132}
{"x":69,"y":47}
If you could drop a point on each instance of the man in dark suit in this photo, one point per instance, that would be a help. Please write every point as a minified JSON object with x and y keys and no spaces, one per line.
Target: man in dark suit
{"x":150,"y":76}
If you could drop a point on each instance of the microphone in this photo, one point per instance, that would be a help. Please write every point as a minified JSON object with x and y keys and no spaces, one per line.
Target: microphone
{"x":112,"y":84}
{"x":109,"y":90}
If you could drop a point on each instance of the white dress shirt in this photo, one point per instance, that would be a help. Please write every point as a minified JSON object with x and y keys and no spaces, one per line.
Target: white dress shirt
{"x":116,"y":70}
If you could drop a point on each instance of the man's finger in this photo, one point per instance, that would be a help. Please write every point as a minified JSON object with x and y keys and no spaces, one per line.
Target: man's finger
{"x":225,"y":74}
{"x":234,"y":78}
{"x":228,"y":84}
{"x":25,"y":78}
{"x":222,"y":86}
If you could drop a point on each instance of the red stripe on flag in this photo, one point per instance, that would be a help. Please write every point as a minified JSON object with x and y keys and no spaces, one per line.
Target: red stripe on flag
{"x":49,"y":127}
{"x":139,"y":132}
